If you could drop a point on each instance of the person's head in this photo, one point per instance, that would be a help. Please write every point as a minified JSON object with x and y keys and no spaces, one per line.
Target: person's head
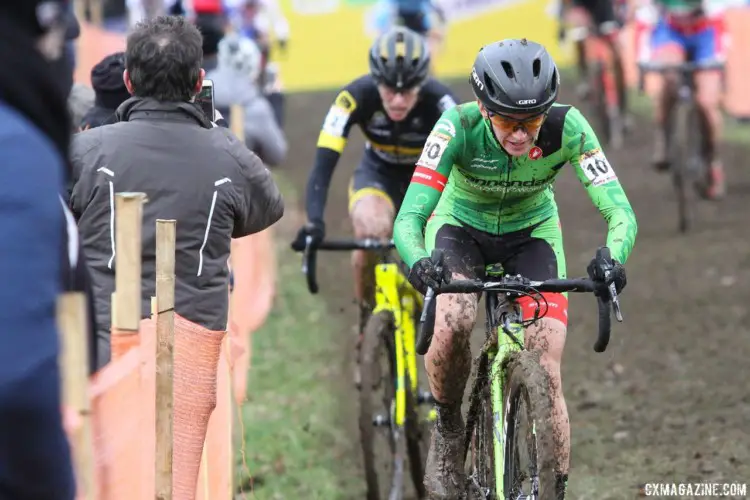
{"x":515,"y":82}
{"x":212,"y":31}
{"x":241,"y":56}
{"x":107,"y":81}
{"x":399,"y":64}
{"x":163,"y":59}
{"x":53,"y":25}
{"x":33,"y":35}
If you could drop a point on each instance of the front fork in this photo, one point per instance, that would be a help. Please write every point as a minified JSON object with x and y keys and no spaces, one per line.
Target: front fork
{"x":509,"y":335}
{"x":394,"y":294}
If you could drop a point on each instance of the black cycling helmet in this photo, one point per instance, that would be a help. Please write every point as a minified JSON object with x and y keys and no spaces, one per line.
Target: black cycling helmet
{"x":515,"y":76}
{"x":399,"y":59}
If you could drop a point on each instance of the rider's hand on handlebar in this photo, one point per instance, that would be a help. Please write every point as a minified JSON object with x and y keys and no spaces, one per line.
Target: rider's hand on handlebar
{"x":315,"y":229}
{"x":425,"y":274}
{"x":602,"y":264}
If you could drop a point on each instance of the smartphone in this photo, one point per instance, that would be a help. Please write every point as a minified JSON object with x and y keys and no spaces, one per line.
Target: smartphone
{"x":205,"y":99}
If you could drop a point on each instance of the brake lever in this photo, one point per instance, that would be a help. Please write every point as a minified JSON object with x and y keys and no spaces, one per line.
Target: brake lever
{"x":306,"y":254}
{"x":613,"y":296}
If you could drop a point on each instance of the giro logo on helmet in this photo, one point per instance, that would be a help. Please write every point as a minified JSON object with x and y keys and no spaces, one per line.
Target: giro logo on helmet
{"x":527,"y":101}
{"x":476,"y":79}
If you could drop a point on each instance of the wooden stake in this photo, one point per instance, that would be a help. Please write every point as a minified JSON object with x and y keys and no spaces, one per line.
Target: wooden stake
{"x":97,"y":12}
{"x":74,"y":361}
{"x":128,"y":220}
{"x":165,"y":283}
{"x":237,"y":121}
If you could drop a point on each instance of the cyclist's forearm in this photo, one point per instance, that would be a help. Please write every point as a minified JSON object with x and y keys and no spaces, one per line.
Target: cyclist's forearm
{"x":408,"y":230}
{"x":622,"y":230}
{"x":319,"y":181}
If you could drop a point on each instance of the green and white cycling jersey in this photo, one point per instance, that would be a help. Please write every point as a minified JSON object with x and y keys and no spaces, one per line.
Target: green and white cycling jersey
{"x":464,"y":174}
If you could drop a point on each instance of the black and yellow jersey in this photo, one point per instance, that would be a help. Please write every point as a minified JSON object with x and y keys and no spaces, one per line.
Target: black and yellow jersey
{"x":390,"y":145}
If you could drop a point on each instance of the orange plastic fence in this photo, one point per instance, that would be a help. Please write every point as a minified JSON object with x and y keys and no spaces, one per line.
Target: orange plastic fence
{"x":205,"y":365}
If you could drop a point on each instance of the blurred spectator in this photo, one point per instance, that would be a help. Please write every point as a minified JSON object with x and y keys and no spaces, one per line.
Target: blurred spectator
{"x":212,"y":33}
{"x":191,"y":170}
{"x":35,"y":458}
{"x":110,"y":91}
{"x":80,"y":101}
{"x":236,"y":82}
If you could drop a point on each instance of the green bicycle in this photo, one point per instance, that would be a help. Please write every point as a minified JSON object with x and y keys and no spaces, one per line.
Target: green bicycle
{"x":389,"y":395}
{"x":509,"y":400}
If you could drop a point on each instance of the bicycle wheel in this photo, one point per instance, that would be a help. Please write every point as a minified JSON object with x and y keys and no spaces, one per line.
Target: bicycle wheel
{"x":383,"y":446}
{"x":529,"y":441}
{"x":480,"y":441}
{"x":686,"y":157}
{"x":417,"y":441}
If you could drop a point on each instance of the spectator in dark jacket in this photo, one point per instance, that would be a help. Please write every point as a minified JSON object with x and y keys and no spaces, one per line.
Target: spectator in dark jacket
{"x":110,"y":89}
{"x":190,"y":169}
{"x":35,"y":459}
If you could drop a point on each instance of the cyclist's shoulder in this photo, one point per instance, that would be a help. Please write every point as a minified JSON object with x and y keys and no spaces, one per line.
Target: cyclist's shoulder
{"x":363,"y":86}
{"x":435,"y":92}
{"x":360,"y":92}
{"x":456,"y":123}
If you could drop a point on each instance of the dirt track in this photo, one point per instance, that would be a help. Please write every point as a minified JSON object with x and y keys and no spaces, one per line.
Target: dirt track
{"x":669,"y":400}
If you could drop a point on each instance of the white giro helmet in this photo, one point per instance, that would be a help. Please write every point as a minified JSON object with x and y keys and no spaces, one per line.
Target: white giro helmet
{"x":241,"y":56}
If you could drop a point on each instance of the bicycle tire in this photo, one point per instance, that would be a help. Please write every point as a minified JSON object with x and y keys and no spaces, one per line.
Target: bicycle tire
{"x":415,"y":441}
{"x":480,"y":444}
{"x":378,"y":333}
{"x":681,"y":123}
{"x":527,"y":380}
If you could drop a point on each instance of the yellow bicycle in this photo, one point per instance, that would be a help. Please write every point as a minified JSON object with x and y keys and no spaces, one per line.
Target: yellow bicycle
{"x":390,"y":400}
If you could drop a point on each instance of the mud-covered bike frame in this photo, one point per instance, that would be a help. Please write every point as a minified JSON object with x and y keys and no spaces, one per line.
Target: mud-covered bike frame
{"x":493,"y":461}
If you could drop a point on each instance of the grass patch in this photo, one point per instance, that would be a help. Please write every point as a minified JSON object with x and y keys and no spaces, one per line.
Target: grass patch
{"x":296,"y":443}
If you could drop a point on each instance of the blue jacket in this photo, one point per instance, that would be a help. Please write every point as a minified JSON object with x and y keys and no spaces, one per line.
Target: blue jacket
{"x":35,"y":459}
{"x":31,"y":242}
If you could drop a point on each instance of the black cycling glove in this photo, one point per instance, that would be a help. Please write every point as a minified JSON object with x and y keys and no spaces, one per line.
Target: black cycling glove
{"x":425,"y":274}
{"x":602,"y":264}
{"x":316,"y":229}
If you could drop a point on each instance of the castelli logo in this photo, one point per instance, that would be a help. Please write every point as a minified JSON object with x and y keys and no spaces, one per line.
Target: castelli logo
{"x":535,"y":153}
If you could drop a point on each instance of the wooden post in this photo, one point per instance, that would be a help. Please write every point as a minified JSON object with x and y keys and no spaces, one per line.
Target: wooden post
{"x":79,"y":7}
{"x":96,"y":10}
{"x":74,"y":362}
{"x":237,"y":121}
{"x":165,"y":283}
{"x":126,"y":308}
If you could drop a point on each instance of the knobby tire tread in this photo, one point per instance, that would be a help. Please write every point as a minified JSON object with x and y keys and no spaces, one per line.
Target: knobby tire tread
{"x":525,"y":375}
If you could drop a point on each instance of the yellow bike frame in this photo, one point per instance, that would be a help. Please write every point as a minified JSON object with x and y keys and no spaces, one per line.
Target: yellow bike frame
{"x":395,"y":294}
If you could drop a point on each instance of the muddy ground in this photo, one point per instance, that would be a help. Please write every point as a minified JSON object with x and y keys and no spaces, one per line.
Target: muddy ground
{"x":669,"y":401}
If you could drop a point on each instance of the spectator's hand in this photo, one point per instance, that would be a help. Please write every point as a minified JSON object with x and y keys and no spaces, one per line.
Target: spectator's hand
{"x":316,"y":229}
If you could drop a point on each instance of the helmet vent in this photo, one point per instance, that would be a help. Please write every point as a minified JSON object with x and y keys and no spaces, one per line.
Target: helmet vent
{"x":508,"y":68}
{"x":536,"y":67}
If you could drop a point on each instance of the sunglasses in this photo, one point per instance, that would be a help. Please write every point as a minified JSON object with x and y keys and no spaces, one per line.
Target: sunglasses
{"x":508,"y":124}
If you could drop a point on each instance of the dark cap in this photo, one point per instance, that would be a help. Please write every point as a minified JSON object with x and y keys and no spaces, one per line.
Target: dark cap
{"x":107,"y":82}
{"x":212,"y":31}
{"x":39,"y":16}
{"x":106,"y":76}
